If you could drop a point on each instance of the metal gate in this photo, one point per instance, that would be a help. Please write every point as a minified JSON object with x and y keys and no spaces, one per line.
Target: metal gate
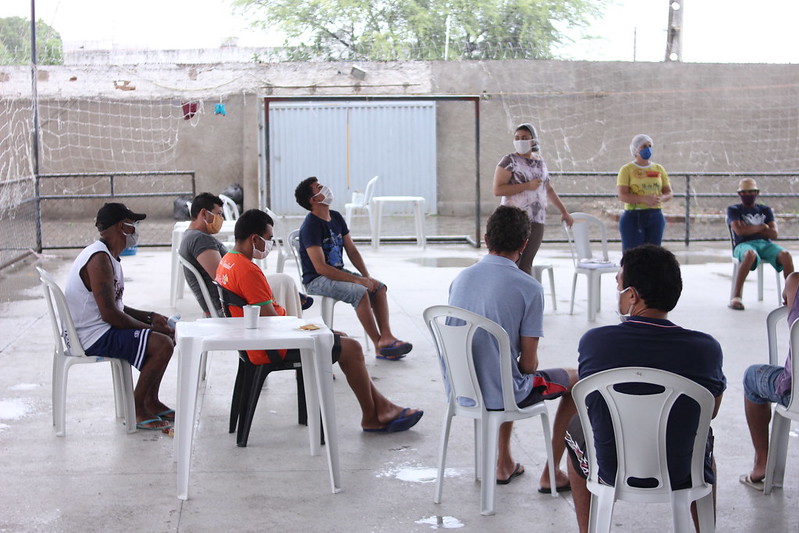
{"x":345,"y":144}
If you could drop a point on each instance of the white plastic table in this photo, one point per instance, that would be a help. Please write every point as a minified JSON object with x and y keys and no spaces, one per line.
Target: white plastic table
{"x":176,"y":283}
{"x":418,"y":203}
{"x":214,"y":334}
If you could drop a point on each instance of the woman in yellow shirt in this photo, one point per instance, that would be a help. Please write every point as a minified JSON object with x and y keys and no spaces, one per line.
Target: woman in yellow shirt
{"x":643,"y":186}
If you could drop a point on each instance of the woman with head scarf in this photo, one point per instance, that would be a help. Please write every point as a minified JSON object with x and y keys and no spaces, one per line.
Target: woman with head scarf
{"x":643,"y":186}
{"x":522,"y":180}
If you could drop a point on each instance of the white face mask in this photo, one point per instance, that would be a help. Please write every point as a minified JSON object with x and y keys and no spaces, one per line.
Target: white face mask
{"x":131,"y":239}
{"x":327,"y":193}
{"x":523,"y":146}
{"x":623,"y":317}
{"x":261,"y":254}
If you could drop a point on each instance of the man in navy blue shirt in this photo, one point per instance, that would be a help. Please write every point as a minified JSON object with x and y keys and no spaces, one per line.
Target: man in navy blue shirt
{"x":324,"y":237}
{"x":649,"y":285}
{"x":753,"y":227}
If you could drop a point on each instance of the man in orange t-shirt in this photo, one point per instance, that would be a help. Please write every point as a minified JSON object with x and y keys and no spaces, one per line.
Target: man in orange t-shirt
{"x":237,"y":273}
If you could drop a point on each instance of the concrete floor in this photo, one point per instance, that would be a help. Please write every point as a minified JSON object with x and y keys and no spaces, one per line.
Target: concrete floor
{"x":98,"y":478}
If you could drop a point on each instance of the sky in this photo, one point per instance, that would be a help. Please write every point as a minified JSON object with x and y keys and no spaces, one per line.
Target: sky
{"x":714,"y":31}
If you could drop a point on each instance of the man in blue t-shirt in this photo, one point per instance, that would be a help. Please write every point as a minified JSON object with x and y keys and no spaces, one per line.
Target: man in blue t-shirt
{"x":753,"y":226}
{"x":324,"y":237}
{"x":649,"y":285}
{"x":497,"y":289}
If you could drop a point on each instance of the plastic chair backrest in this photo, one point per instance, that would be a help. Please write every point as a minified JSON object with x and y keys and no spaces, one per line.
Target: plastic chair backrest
{"x":64,"y":333}
{"x":370,"y":191}
{"x":293,"y":239}
{"x":361,"y":200}
{"x":773,"y":320}
{"x":639,"y":426}
{"x":228,"y":298}
{"x":453,"y":329}
{"x":209,"y":302}
{"x":793,"y":403}
{"x":277,"y":227}
{"x":579,"y":236}
{"x":229,"y":208}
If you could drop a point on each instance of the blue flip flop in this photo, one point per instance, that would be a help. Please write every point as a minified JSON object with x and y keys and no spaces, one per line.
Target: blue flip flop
{"x":144,"y":424}
{"x":394,"y":351}
{"x":168,"y":415}
{"x":401,"y":423}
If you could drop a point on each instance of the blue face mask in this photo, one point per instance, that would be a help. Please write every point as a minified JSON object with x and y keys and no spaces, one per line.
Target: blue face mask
{"x":645,"y":153}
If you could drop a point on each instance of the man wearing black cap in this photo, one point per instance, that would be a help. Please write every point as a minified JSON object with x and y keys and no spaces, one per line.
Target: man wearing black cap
{"x":106,"y":327}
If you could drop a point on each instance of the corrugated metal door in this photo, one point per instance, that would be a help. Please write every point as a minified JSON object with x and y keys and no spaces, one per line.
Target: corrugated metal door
{"x":345,"y":144}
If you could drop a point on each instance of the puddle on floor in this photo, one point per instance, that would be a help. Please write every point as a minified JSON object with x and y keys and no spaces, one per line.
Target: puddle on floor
{"x":444,"y":262}
{"x":417,"y":474}
{"x":24,"y":386}
{"x":441,"y":522}
{"x":13,"y":409}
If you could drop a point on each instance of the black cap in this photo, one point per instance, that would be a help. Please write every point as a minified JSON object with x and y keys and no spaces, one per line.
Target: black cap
{"x":111,"y":213}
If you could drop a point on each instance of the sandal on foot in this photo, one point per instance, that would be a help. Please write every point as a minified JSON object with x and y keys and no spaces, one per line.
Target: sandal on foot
{"x":736,"y":304}
{"x":148,"y":424}
{"x":517,"y":471}
{"x":394,"y":351}
{"x":168,"y":415}
{"x":401,"y":423}
{"x":747,"y":480}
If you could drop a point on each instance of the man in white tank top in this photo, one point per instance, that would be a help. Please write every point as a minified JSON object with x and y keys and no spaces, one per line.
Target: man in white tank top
{"x":107,"y":327}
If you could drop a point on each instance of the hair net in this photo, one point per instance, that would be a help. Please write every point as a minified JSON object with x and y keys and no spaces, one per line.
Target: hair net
{"x":529,"y":127}
{"x":638,"y":140}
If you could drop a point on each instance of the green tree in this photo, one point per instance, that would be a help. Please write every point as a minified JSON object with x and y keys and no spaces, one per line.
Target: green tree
{"x":15,"y":42}
{"x":416,"y":29}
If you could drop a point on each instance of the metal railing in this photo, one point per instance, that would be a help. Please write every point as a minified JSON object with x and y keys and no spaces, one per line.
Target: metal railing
{"x":116,"y":186}
{"x":694,"y":189}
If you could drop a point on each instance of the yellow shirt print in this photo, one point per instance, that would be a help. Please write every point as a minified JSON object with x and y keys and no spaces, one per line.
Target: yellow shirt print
{"x":643,"y":181}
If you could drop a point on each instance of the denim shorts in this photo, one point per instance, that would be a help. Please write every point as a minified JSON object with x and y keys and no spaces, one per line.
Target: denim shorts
{"x":343,"y":291}
{"x":760,"y":386}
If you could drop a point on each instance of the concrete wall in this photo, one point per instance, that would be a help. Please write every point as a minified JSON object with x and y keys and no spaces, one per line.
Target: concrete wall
{"x":727,"y":118}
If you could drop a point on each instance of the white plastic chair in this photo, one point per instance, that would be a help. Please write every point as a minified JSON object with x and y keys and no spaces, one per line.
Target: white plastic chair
{"x":454,"y":345}
{"x":229,"y":208}
{"x":278,"y":234}
{"x":579,"y":236}
{"x":209,"y":303}
{"x":781,"y":421}
{"x":736,"y":265}
{"x":538,"y":270}
{"x":68,"y":352}
{"x":325,"y":302}
{"x":639,"y":426}
{"x":361,"y":202}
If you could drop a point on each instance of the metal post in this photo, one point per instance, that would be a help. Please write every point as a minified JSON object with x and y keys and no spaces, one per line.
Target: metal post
{"x":267,"y":193}
{"x":35,"y":132}
{"x":477,"y":238}
{"x":687,"y":210}
{"x":674,"y":35}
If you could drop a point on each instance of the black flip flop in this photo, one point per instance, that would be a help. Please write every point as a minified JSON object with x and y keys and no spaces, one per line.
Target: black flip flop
{"x":516,"y":473}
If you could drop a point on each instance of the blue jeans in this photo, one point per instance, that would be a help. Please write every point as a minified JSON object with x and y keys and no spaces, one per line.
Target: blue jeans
{"x":641,"y":226}
{"x":760,"y":385}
